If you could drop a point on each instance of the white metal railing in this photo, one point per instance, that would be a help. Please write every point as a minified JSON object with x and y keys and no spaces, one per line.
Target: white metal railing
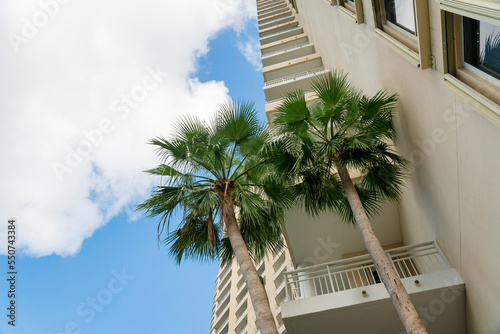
{"x":295,"y":76}
{"x":280,"y":33}
{"x":297,"y":46}
{"x":274,"y":23}
{"x":271,"y":18}
{"x":267,"y":4}
{"x":272,"y":12}
{"x":359,"y":271}
{"x":272,"y":8}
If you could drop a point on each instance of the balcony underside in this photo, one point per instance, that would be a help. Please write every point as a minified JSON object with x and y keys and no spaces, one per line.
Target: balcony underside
{"x":288,"y":68}
{"x":315,"y":240}
{"x":278,"y":21}
{"x":278,"y":28}
{"x":281,"y":35}
{"x":297,"y":51}
{"x":439,"y":298}
{"x":276,"y":89}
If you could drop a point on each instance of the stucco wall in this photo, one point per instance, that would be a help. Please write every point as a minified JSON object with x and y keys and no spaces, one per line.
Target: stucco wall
{"x":453,"y":192}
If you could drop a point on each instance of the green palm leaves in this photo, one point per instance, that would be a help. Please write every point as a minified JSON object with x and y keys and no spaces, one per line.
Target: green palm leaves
{"x":342,"y":127}
{"x":323,"y":144}
{"x":205,"y":163}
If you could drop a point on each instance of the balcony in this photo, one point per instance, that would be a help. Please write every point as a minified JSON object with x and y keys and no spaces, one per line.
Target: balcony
{"x":242,"y":322}
{"x":261,"y":5}
{"x":283,"y":44}
{"x":275,"y":89}
{"x":347,"y":294}
{"x":276,"y":22}
{"x":268,"y":9}
{"x":273,"y":17}
{"x":222,"y":324}
{"x":298,"y":65}
{"x":281,"y":35}
{"x":295,"y":51}
{"x":272,"y":10}
{"x":278,"y":28}
{"x":269,"y":6}
{"x":223,"y":302}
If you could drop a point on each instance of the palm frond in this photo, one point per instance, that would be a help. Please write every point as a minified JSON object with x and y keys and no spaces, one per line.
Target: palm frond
{"x":342,"y":127}
{"x":198,"y":162}
{"x":192,"y":240}
{"x":292,"y":115}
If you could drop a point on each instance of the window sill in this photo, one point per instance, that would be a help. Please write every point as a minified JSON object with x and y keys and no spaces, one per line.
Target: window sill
{"x":348,"y":13}
{"x":350,"y":7}
{"x":402,"y":37}
{"x":353,"y":12}
{"x":403,"y":50}
{"x":478,"y":101}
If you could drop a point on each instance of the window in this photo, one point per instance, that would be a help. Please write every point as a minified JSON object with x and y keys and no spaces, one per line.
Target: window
{"x":353,"y":9}
{"x":402,"y":14}
{"x":404,"y":26}
{"x":472,"y":55}
{"x":481,"y":41}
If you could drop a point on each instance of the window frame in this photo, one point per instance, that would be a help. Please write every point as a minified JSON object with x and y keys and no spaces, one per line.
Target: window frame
{"x":354,"y":12}
{"x":416,"y":50}
{"x":400,"y":26}
{"x":474,"y":89}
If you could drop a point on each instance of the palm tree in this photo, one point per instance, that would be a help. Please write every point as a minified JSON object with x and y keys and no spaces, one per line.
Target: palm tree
{"x":229,"y":197}
{"x":323,"y":142}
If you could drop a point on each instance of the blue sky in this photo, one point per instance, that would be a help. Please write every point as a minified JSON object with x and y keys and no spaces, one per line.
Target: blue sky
{"x":88,"y":263}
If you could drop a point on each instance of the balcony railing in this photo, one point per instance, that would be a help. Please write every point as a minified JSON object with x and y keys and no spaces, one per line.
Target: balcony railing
{"x":282,"y":32}
{"x":295,"y":76}
{"x":294,"y":47}
{"x":360,"y":271}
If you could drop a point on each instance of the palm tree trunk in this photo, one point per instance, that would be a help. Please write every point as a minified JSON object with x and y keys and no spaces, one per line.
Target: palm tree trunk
{"x":265,"y":318}
{"x":400,"y":298}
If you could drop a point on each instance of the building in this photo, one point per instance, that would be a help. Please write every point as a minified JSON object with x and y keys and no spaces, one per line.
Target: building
{"x":232,"y":310}
{"x":443,"y":236}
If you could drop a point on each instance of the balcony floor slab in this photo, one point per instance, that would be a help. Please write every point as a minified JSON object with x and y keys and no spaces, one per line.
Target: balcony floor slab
{"x":439,"y":298}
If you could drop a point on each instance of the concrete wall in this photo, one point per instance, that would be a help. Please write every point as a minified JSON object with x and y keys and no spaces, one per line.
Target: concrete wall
{"x":453,"y":192}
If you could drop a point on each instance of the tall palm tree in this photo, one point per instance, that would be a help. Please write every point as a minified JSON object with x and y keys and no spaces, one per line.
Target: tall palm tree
{"x":322,"y":143}
{"x":229,"y":196}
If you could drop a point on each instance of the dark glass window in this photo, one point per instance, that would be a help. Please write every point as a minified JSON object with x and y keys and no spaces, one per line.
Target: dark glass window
{"x":482,"y":46}
{"x":401,"y":13}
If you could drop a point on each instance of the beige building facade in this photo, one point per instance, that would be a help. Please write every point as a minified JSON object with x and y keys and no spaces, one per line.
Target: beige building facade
{"x":232,"y":310}
{"x":443,"y":236}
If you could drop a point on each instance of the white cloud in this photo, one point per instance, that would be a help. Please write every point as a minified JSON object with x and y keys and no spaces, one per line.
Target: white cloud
{"x":79,"y":80}
{"x":250,"y":49}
